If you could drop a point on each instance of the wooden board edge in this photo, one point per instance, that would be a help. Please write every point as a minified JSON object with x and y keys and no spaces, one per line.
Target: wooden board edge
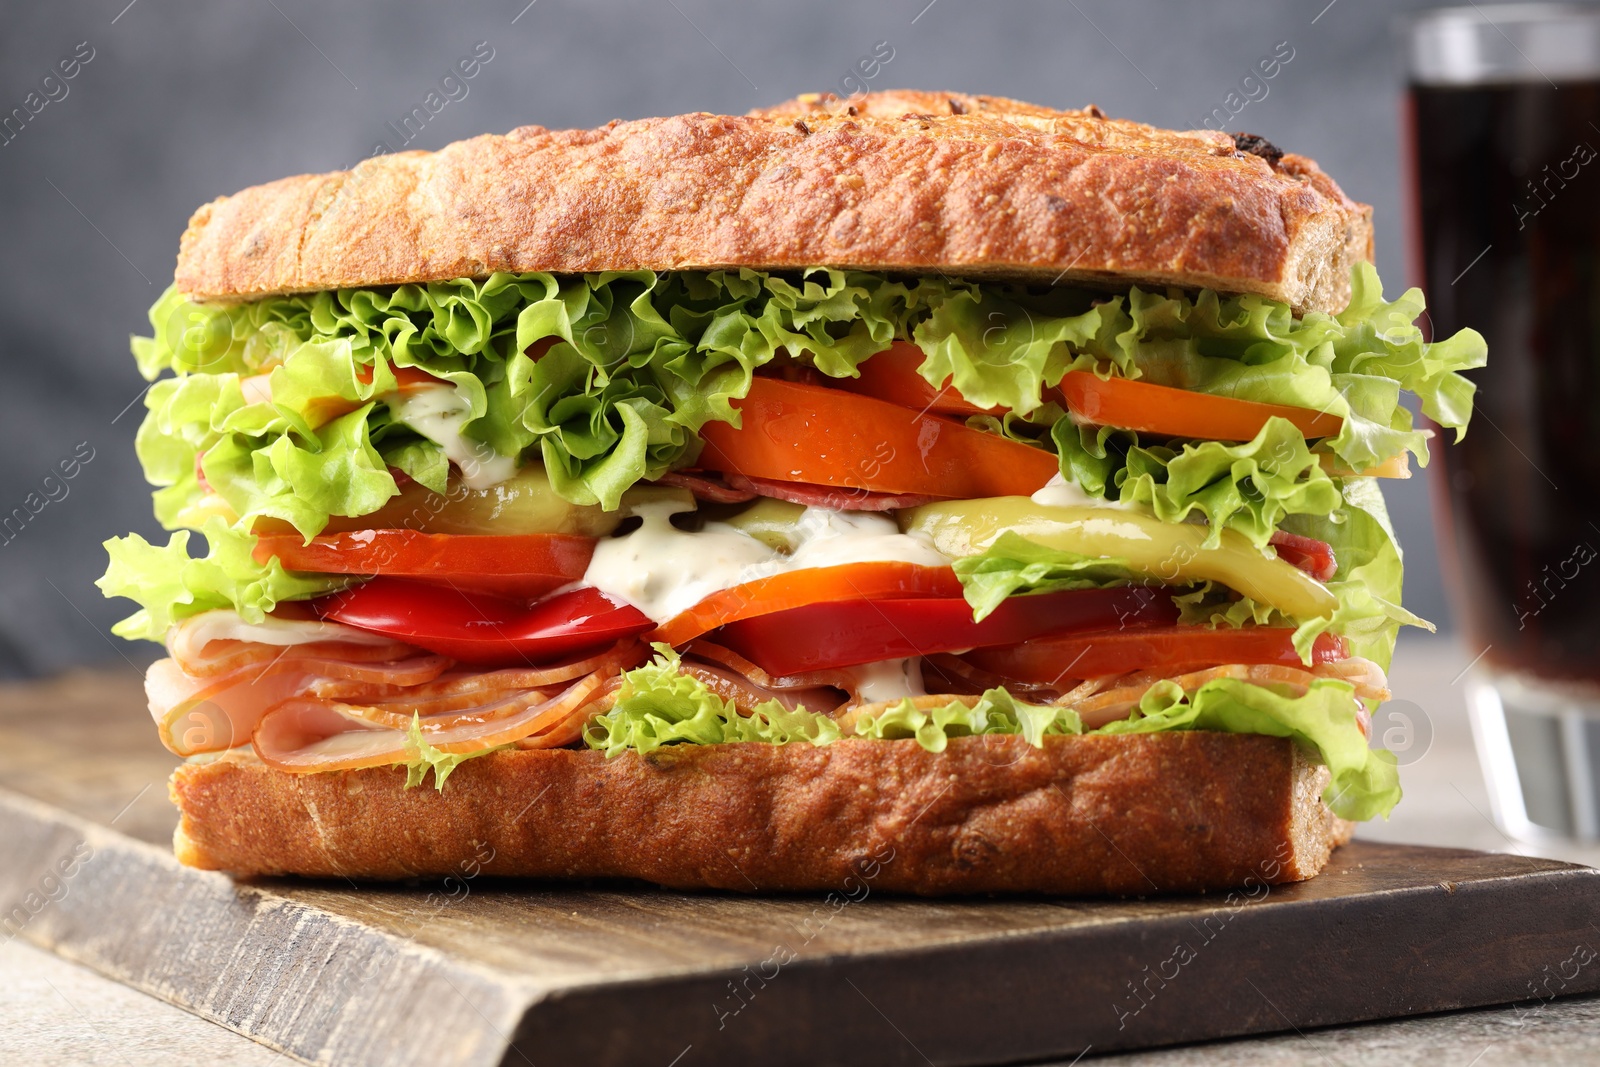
{"x":904,"y":1007}
{"x":376,"y":997}
{"x":124,"y":908}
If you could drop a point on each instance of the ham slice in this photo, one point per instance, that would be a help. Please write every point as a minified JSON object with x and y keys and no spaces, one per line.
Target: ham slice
{"x":296,"y":688}
{"x":705,"y":486}
{"x":1118,"y":701}
{"x":455,"y":690}
{"x":840,"y":678}
{"x":745,"y":693}
{"x":212,"y":712}
{"x":828,"y":496}
{"x":305,"y":735}
{"x":732,"y":488}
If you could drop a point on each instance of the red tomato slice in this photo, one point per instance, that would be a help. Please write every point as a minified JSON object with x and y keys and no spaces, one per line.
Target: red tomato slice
{"x":892,"y":375}
{"x":857,"y":582}
{"x":520,"y":565}
{"x":1173,"y":649}
{"x":1163,"y":409}
{"x":846,"y":633}
{"x":805,"y":433}
{"x":482,"y":630}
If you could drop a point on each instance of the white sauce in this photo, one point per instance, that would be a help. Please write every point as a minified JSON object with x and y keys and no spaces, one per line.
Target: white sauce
{"x":830,"y":538}
{"x":663,"y":571}
{"x":890,"y":679}
{"x":188,"y":639}
{"x":438,"y":413}
{"x":225,"y":625}
{"x":1060,"y":493}
{"x":257,"y":388}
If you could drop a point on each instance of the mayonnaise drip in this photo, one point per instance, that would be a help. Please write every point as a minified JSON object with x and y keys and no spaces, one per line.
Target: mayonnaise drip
{"x":829,"y":538}
{"x":663,"y":571}
{"x":1060,"y":493}
{"x":890,"y":679}
{"x":438,"y":412}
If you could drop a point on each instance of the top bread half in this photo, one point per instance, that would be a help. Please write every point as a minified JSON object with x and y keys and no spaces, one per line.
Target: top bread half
{"x":898,"y":182}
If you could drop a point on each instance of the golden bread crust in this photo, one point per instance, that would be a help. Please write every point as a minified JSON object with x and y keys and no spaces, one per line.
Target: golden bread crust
{"x":975,"y":186}
{"x":1134,"y":814}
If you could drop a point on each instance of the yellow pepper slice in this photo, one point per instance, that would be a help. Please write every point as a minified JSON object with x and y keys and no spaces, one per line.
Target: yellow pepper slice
{"x":1172,"y":552}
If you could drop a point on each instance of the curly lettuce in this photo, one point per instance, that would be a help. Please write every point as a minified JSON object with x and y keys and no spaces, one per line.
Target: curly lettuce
{"x":1249,"y":487}
{"x":1371,"y":573}
{"x":1013,"y":564}
{"x":1367,"y":583}
{"x":995,"y":712}
{"x":999,"y":345}
{"x":171,"y":585}
{"x":606,"y":379}
{"x":660,"y":705}
{"x":421,"y":757}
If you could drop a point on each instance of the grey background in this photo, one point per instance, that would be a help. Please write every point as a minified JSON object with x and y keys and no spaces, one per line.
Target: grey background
{"x":185,"y":102}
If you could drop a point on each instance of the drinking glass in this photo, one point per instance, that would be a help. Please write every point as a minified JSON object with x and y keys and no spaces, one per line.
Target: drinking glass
{"x":1503,"y":138}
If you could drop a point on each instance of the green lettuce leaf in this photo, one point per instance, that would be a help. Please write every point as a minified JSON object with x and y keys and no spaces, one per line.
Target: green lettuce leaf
{"x":1365,"y":783}
{"x":423,"y":757}
{"x":302,"y":480}
{"x":640,"y":361}
{"x":995,"y":712}
{"x":190,"y":338}
{"x":659,"y":705}
{"x":171,"y":585}
{"x":999,"y":346}
{"x":422,"y":461}
{"x":1249,"y":487}
{"x":1003,"y":346}
{"x":1210,"y":604}
{"x":1013,"y":564}
{"x":1370,"y":576}
{"x":1367,"y":583}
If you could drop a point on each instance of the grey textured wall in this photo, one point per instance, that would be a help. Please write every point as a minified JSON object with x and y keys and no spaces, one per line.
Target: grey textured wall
{"x":184,"y":102}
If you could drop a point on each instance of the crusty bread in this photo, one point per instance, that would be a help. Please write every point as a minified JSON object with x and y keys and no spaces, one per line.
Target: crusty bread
{"x":1083,"y":815}
{"x":975,"y":186}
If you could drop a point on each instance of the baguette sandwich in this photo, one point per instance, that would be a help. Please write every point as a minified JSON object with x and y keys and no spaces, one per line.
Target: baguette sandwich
{"x":924,"y":488}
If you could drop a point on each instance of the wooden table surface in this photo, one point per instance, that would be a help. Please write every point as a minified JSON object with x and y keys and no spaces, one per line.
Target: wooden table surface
{"x":55,"y":1012}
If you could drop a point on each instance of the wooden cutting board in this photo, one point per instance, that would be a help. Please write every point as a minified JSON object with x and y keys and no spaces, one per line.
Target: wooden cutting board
{"x":485,"y":971}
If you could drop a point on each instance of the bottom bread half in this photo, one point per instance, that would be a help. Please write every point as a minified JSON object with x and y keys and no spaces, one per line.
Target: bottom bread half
{"x":1133,"y":814}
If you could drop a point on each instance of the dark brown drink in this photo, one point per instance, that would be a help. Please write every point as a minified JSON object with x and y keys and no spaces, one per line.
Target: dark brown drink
{"x":1507,"y":182}
{"x":1504,"y":143}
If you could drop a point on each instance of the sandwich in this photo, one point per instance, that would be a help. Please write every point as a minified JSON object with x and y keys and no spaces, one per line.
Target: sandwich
{"x":922,"y":490}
